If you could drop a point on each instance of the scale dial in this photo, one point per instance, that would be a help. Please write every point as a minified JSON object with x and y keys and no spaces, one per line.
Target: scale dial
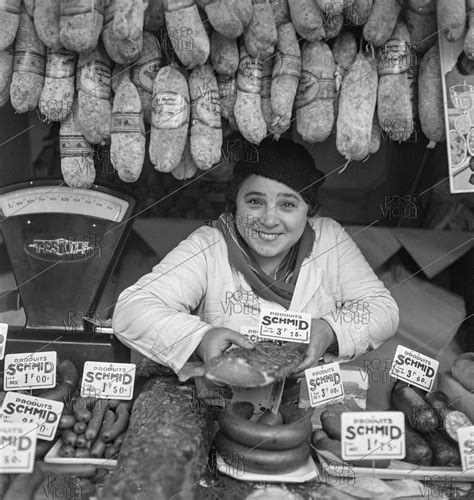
{"x":63,"y":199}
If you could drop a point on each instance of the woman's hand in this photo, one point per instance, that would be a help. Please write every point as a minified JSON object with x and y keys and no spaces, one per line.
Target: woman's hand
{"x":217,"y":340}
{"x":322,"y":337}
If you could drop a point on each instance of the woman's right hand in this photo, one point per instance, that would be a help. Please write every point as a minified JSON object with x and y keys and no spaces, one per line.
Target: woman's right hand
{"x":217,"y":340}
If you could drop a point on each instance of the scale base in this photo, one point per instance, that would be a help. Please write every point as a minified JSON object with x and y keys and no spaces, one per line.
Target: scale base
{"x":78,"y":347}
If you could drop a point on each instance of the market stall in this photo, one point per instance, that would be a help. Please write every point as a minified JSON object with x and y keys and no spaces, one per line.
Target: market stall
{"x":121,"y":125}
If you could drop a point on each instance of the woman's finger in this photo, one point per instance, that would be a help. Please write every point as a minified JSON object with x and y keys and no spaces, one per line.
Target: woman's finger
{"x":240,"y":340}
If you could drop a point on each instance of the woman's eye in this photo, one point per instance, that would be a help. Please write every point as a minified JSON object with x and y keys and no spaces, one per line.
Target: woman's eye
{"x":254,"y":201}
{"x":288,"y":204}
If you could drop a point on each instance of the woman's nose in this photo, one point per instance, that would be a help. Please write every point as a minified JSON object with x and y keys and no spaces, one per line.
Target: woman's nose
{"x":269,"y":217}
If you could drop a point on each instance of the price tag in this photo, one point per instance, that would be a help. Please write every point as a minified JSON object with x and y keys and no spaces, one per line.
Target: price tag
{"x":324,"y":384}
{"x":250,"y":332}
{"x":286,"y":325}
{"x":108,"y":380}
{"x":466,"y":447}
{"x":373,"y":435}
{"x":414,"y":368}
{"x":44,"y":413}
{"x":33,"y":370}
{"x":17,"y":447}
{"x":3,"y":339}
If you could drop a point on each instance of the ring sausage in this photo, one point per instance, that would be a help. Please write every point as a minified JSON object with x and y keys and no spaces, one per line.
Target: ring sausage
{"x":234,"y":423}
{"x":331,"y":422}
{"x":259,"y":460}
{"x":420,"y":414}
{"x":450,"y":420}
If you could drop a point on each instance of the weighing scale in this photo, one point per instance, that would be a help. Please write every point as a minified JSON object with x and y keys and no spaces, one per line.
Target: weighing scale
{"x":63,"y":244}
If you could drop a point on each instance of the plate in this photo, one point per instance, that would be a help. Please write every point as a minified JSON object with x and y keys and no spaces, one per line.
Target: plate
{"x":396,"y":470}
{"x":53,"y":457}
{"x":306,"y":472}
{"x":458,"y":148}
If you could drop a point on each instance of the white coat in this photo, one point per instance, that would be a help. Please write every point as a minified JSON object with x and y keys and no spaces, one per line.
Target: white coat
{"x":166,"y":313}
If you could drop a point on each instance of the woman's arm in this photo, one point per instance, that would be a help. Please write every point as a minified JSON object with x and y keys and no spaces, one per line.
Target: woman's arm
{"x":153,"y":316}
{"x":371,"y":314}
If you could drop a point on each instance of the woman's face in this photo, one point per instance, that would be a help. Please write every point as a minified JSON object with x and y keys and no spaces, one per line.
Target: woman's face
{"x":270,"y":217}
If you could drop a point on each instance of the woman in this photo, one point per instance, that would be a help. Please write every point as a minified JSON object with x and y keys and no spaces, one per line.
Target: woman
{"x":268,"y":251}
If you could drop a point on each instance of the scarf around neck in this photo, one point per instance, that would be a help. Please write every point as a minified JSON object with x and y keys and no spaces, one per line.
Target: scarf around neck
{"x":280,"y":289}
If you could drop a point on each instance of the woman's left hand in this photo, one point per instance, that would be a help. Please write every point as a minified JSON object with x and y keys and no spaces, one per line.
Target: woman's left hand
{"x":322,"y":337}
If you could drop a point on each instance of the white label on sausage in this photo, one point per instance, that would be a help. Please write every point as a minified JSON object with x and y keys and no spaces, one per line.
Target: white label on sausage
{"x":287,"y":325}
{"x":414,"y":368}
{"x":286,"y":64}
{"x":373,"y":435}
{"x":207,"y":108}
{"x":466,"y":447}
{"x":76,"y":7}
{"x":394,"y":57}
{"x":29,"y":61}
{"x":18,"y":445}
{"x":227,"y":87}
{"x":130,"y":122}
{"x":324,"y":384}
{"x":94,"y":79}
{"x":249,"y":75}
{"x":312,"y":88}
{"x":143,"y":75}
{"x":61,"y":63}
{"x":30,"y":370}
{"x":44,"y":413}
{"x":74,"y":146}
{"x":3,"y":338}
{"x":108,"y":380}
{"x":170,"y":110}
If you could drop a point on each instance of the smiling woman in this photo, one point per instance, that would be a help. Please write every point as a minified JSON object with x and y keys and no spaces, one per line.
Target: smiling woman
{"x":271,"y":246}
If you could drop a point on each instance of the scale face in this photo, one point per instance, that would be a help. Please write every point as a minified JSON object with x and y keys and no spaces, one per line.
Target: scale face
{"x":63,"y":244}
{"x":62,"y":199}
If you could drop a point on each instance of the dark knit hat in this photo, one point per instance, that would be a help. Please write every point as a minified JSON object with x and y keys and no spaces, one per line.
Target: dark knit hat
{"x":284,"y":161}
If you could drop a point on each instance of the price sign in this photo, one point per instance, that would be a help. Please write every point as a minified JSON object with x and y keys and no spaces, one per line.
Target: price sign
{"x":17,"y":447}
{"x":373,"y":435}
{"x":108,"y":380}
{"x":288,"y":326}
{"x":414,"y":368}
{"x":466,"y":447}
{"x":250,"y":332}
{"x":34,"y":370}
{"x":324,"y":384}
{"x":3,"y":339}
{"x":44,"y":413}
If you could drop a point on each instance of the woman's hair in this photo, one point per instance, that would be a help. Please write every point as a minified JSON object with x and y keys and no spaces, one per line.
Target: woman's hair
{"x":283,"y":161}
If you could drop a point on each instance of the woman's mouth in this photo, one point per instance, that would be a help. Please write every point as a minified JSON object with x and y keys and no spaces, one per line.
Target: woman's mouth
{"x":267,"y":236}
